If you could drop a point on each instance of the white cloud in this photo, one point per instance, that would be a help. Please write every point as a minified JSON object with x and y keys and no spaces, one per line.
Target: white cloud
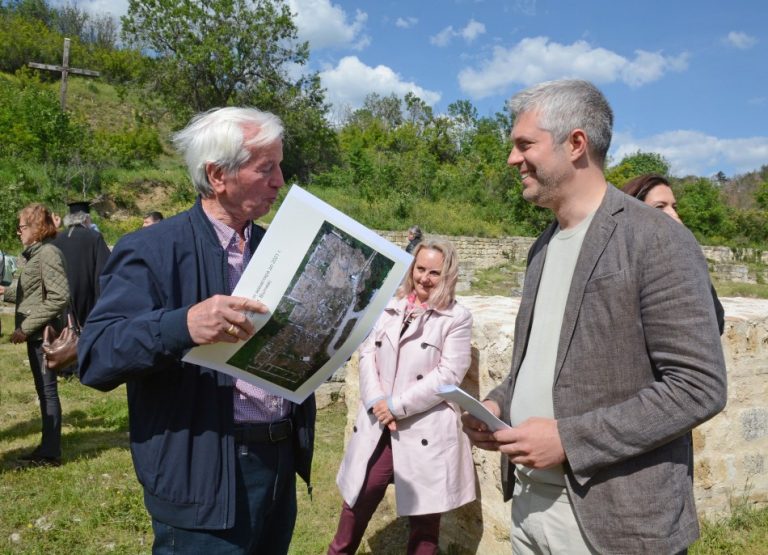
{"x":526,"y":7}
{"x":470,"y":32}
{"x":443,"y":37}
{"x":406,"y":22}
{"x":537,"y":59}
{"x":740,"y":40}
{"x":115,"y":8}
{"x":326,"y":25}
{"x":696,"y":153}
{"x":351,"y":81}
{"x":473,"y":30}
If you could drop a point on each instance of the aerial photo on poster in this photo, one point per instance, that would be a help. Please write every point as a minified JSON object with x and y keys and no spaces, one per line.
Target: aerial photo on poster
{"x":325,"y":278}
{"x":330,"y":291}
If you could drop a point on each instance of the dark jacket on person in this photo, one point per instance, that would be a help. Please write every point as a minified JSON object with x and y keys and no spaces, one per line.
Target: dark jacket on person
{"x":411,"y":246}
{"x":181,"y":415}
{"x":719,"y":310}
{"x":86,"y":252}
{"x":41,"y":292}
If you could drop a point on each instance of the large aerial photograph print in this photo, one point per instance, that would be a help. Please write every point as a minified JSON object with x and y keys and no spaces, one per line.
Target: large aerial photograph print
{"x":330,"y":291}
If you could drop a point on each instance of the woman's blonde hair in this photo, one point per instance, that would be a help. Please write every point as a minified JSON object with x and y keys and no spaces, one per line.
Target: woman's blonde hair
{"x":40,"y":221}
{"x":443,"y":294}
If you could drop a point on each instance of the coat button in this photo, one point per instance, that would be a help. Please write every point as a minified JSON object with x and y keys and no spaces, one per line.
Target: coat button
{"x":419,"y":377}
{"x":424,"y":442}
{"x":354,"y":428}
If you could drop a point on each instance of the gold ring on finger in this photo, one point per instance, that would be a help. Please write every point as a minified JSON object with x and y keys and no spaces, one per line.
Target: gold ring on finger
{"x":232,"y":330}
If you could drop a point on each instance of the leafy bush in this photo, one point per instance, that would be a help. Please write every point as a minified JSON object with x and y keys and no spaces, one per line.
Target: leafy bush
{"x":701,"y":207}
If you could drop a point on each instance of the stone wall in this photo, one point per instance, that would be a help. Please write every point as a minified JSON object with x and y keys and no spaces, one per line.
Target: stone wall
{"x":730,"y":450}
{"x":478,"y":253}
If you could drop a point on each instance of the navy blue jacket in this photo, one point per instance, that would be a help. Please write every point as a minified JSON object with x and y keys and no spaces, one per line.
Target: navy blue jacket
{"x":181,"y":415}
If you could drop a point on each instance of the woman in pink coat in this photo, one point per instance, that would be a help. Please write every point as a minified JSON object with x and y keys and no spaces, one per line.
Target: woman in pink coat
{"x":404,"y":433}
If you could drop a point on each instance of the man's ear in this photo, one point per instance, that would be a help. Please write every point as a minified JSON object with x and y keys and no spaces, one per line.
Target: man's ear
{"x":215,"y":175}
{"x":578,"y":143}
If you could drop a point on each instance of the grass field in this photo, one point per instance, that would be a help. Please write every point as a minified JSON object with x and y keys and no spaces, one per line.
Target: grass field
{"x":505,"y":280}
{"x":92,"y":504}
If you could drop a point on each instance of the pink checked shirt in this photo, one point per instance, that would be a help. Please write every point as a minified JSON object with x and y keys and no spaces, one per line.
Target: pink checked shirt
{"x":252,"y":404}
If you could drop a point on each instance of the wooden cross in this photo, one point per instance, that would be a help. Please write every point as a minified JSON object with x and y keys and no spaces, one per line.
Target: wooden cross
{"x":65,"y":71}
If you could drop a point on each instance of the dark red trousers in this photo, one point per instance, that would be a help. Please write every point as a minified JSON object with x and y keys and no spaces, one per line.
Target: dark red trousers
{"x":425,"y":529}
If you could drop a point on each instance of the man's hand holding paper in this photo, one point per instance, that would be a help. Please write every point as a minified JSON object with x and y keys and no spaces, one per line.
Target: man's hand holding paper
{"x":478,"y":431}
{"x":535,"y":443}
{"x":222,"y":318}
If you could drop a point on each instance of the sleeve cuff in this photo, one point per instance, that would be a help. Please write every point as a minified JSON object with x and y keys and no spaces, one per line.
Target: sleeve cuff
{"x":369,"y":404}
{"x":174,"y":333}
{"x":396,"y":407}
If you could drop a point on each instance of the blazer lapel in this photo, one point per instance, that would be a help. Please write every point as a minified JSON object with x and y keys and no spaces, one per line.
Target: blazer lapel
{"x":595,"y":241}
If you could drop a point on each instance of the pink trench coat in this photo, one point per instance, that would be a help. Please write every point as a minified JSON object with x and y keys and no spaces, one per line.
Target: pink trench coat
{"x":432,"y":457}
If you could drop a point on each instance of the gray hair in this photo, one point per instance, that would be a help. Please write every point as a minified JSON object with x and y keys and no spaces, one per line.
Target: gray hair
{"x":77,"y":218}
{"x":569,"y":104}
{"x":416,"y":230}
{"x":216,"y":136}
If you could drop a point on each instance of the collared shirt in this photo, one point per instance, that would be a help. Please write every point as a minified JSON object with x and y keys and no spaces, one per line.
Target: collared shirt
{"x":251,"y":403}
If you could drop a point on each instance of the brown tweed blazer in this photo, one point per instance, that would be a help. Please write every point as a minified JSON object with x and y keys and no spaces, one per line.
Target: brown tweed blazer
{"x":639,"y":364}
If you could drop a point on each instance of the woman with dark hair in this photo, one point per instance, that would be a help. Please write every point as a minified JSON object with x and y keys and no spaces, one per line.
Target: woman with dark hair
{"x":41,"y":294}
{"x":404,"y":433}
{"x":654,"y":190}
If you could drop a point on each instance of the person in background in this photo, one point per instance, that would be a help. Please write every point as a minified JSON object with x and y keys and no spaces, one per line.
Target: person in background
{"x":8,"y":266}
{"x":403,"y":431}
{"x":152,"y":218}
{"x":81,"y":211}
{"x":655,"y":190}
{"x":217,"y":457}
{"x":414,"y":238}
{"x":86,"y":252}
{"x":41,"y":295}
{"x":615,"y":359}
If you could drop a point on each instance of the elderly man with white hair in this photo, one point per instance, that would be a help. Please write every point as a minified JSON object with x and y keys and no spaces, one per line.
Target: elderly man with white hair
{"x":217,"y":457}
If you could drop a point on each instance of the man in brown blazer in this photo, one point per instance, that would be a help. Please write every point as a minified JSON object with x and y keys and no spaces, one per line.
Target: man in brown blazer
{"x":617,"y":354}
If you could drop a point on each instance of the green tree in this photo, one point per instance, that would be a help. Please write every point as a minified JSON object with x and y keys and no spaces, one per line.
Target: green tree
{"x":232,"y":52}
{"x":212,"y":53}
{"x":761,"y":195}
{"x":701,"y":207}
{"x":637,"y":164}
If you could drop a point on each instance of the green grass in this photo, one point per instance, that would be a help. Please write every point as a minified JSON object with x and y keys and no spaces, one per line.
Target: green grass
{"x":504,"y":280}
{"x":736,"y":289}
{"x":92,"y":504}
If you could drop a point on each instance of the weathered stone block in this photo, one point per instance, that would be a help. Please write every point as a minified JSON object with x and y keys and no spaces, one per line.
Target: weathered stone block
{"x":754,"y":423}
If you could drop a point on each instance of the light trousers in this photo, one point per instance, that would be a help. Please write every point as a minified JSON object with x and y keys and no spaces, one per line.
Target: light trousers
{"x":543,"y":521}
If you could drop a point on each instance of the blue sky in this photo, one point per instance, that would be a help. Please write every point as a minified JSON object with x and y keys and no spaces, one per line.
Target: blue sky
{"x":686,"y":78}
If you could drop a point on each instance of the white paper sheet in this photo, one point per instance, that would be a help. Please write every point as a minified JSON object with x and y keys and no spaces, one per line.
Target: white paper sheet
{"x":325,"y":279}
{"x":472,"y":406}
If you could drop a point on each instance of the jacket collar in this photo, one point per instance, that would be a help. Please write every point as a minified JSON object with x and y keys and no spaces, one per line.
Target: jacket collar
{"x":32,"y":249}
{"x":200,"y":222}
{"x":397,"y":306}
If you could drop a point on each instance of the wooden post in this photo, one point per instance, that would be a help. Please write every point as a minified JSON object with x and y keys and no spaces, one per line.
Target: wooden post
{"x":65,"y":71}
